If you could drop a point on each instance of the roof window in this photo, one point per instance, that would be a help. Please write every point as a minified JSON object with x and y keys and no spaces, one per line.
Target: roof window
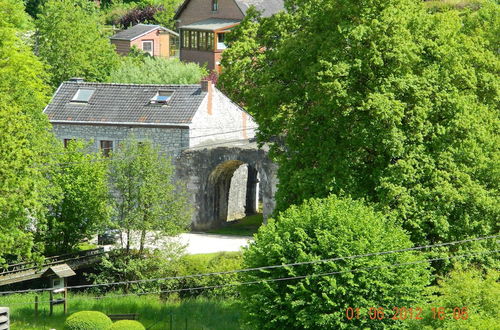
{"x":83,"y":95}
{"x":162,"y":97}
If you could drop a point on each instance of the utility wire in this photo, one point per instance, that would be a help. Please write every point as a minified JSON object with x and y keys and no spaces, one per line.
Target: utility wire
{"x":259,"y":268}
{"x":262,"y":281}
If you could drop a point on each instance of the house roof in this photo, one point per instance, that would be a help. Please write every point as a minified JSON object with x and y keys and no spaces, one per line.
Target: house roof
{"x":60,"y":271}
{"x":139,"y":30}
{"x":266,"y":7}
{"x":125,"y":104}
{"x":211,"y":24}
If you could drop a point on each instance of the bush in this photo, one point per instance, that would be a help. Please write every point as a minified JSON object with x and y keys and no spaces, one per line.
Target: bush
{"x":461,"y":288}
{"x":127,"y":325}
{"x":87,"y":320}
{"x":321,"y":229}
{"x":151,"y":70}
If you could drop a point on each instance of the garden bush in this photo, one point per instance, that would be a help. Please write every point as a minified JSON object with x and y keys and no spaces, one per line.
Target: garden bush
{"x":322,"y":229}
{"x":87,"y":320}
{"x":127,"y":325}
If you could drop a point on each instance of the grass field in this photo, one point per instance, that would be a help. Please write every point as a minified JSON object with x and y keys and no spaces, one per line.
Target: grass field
{"x":154,"y":313}
{"x":246,"y":226}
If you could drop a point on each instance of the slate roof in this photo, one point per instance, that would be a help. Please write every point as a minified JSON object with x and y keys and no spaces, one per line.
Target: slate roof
{"x":210,"y":24}
{"x":125,"y":104}
{"x":266,"y":7}
{"x":139,"y":30}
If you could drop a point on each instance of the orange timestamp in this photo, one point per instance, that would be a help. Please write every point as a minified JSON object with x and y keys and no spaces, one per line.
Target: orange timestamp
{"x":407,"y":313}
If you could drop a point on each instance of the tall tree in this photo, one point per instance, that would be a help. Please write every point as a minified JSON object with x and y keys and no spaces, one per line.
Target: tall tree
{"x":146,"y":198}
{"x":71,"y":40}
{"x":24,"y":136}
{"x":83,"y":209}
{"x":382,"y":100}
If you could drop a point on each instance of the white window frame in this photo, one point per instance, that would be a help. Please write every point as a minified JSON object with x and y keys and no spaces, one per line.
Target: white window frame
{"x":152,"y":46}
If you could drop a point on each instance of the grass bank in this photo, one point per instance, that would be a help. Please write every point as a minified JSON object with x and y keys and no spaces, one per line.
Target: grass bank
{"x":246,"y":226}
{"x":154,"y":313}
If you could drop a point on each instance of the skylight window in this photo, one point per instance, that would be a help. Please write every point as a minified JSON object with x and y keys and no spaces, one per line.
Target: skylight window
{"x":83,"y":95}
{"x":162,"y":97}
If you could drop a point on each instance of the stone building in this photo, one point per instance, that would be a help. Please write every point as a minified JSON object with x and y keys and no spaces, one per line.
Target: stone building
{"x":197,"y":125}
{"x":203,"y":25}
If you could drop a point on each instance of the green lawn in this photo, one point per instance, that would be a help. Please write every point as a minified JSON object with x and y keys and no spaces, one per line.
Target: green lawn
{"x":154,"y":313}
{"x":246,"y":226}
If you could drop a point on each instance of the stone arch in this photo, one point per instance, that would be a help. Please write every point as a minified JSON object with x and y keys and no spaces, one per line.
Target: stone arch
{"x":208,"y":174}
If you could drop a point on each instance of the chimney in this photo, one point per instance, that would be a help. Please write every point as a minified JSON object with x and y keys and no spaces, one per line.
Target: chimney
{"x":77,"y":80}
{"x":206,"y":86}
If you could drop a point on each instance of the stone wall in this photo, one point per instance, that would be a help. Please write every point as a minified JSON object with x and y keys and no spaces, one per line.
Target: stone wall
{"x":170,"y":140}
{"x":236,"y":204}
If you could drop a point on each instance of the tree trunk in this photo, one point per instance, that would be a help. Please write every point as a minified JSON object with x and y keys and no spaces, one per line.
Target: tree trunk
{"x":128,"y":241}
{"x":143,"y":239}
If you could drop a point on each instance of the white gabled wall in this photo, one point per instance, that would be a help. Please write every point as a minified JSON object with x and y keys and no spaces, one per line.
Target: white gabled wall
{"x":227,"y":122}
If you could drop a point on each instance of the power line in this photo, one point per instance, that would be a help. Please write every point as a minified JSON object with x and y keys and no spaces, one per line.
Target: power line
{"x":85,"y":286}
{"x":281,"y":278}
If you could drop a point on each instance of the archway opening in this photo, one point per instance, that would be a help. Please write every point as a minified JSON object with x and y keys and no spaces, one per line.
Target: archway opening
{"x":236,"y":191}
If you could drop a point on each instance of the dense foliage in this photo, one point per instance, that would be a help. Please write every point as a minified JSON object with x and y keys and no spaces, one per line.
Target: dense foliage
{"x":322,"y":229}
{"x":72,"y":42}
{"x":87,"y":320}
{"x":24,"y":137}
{"x":151,"y":70}
{"x":146,"y":198}
{"x":379,"y":99}
{"x":127,"y":325}
{"x":83,"y":208}
{"x":464,"y":288}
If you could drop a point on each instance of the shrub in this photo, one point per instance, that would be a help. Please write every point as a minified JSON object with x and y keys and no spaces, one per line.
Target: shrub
{"x":470,"y":289}
{"x":151,"y":70}
{"x":127,"y":325}
{"x":87,"y":320}
{"x":321,"y":229}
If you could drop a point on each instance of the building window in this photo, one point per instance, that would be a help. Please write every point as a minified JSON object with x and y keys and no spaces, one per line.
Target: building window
{"x":83,"y":95}
{"x":194,"y":39}
{"x":185,"y":39}
{"x":162,"y":97}
{"x":221,"y":37}
{"x":215,"y":5}
{"x":66,"y":142}
{"x":147,"y":46}
{"x":106,"y":147}
{"x":202,"y":41}
{"x":210,"y":40}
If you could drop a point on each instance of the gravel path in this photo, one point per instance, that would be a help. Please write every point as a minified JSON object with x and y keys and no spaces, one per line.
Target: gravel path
{"x":196,"y":243}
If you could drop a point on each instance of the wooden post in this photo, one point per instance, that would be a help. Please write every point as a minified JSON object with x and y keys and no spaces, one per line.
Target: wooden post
{"x":65,"y":300}
{"x":51,"y":303}
{"x":36,"y":306}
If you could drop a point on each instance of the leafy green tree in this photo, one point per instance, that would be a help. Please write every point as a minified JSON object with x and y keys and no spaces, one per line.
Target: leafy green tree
{"x":469,"y":299}
{"x":322,"y":229}
{"x":382,"y":100}
{"x":146,"y":199}
{"x":71,"y":40}
{"x":151,"y":70}
{"x":83,"y":209}
{"x":24,"y":137}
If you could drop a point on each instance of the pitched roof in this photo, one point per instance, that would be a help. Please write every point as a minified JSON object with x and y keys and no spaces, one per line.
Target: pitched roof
{"x":125,"y":104}
{"x":139,"y":30}
{"x":266,"y":7}
{"x":211,"y":24}
{"x":60,"y":271}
